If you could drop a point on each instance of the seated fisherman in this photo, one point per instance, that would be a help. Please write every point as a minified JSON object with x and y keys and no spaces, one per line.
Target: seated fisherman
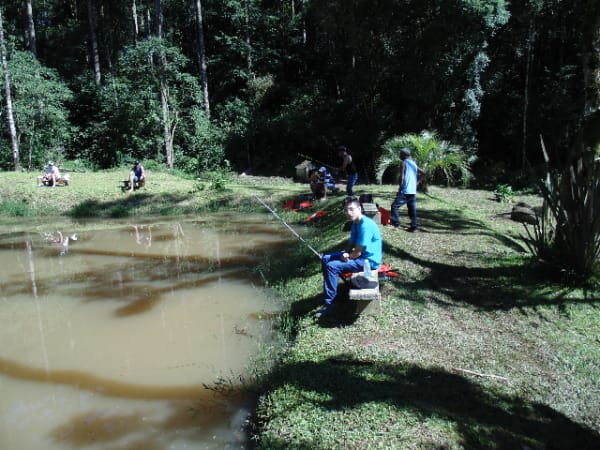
{"x":325,"y":182}
{"x":52,"y":175}
{"x":365,"y":243}
{"x":326,"y":179}
{"x":137,"y":175}
{"x":316,"y":187}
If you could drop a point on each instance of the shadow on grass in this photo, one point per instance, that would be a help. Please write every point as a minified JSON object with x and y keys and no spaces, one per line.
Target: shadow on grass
{"x":482,"y":418}
{"x":125,"y":206}
{"x":343,"y":315}
{"x":490,"y":288}
{"x":453,"y":221}
{"x":172,"y":203}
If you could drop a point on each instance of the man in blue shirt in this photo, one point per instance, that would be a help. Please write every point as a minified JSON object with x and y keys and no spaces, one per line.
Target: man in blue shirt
{"x":407,"y":192}
{"x":365,"y":243}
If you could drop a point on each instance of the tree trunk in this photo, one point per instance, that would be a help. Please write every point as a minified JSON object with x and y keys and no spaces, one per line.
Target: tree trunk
{"x":148,"y":23}
{"x":158,"y":17}
{"x":167,"y":135}
{"x":303,"y":24}
{"x":167,"y":123}
{"x":9,"y":112}
{"x":30,"y":29}
{"x":248,"y":40}
{"x":136,"y":29}
{"x":202,"y":57}
{"x":30,"y":149}
{"x":94,"y":43}
{"x":529,"y":57}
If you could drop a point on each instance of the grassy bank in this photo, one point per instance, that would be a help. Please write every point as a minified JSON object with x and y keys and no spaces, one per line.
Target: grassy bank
{"x":474,"y":348}
{"x":98,"y":195}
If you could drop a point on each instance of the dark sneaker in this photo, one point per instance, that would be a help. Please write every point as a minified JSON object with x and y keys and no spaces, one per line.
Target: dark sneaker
{"x":412,"y":230}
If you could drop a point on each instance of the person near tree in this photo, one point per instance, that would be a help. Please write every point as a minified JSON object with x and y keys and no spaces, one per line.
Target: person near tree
{"x":407,"y":191}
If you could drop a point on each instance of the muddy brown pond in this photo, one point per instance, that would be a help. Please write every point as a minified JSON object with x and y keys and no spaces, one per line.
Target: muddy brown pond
{"x":123,"y":338}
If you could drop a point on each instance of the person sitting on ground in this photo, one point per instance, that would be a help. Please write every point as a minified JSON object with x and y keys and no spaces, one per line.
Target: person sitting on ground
{"x":325,"y":183}
{"x":137,"y":175}
{"x":326,"y":178}
{"x":52,"y":175}
{"x":317,"y":188}
{"x":364,"y":244}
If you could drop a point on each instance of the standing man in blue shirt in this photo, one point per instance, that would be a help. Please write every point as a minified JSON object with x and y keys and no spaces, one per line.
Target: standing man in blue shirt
{"x":407,"y":192}
{"x":365,"y":243}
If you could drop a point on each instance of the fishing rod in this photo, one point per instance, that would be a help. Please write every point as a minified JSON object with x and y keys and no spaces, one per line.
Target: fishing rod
{"x":316,"y":160}
{"x":289,"y":227}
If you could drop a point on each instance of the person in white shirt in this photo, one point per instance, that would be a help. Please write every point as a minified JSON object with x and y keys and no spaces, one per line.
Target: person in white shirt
{"x":52,"y":175}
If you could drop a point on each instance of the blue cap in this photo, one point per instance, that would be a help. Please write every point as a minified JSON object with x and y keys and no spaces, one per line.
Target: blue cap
{"x":322,"y":169}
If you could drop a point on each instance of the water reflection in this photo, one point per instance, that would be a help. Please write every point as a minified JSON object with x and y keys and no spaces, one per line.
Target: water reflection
{"x":119,"y":342}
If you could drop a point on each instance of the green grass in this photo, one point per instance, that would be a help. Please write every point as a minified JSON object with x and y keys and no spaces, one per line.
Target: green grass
{"x":471,"y":301}
{"x":98,"y":195}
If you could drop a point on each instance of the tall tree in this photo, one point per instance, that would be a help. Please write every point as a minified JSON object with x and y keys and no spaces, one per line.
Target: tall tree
{"x":9,"y":112}
{"x":94,"y":42}
{"x":202,"y":57}
{"x":30,"y":28}
{"x":41,"y":119}
{"x":248,"y":39}
{"x":303,"y":23}
{"x":134,"y":15}
{"x":158,"y":16}
{"x":169,"y":118}
{"x":528,"y":58}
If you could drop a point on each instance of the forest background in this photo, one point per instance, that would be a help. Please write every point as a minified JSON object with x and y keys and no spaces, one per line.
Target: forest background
{"x":198,"y":84}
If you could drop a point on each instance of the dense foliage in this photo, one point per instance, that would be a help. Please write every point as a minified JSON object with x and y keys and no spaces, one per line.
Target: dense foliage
{"x":295,"y":76}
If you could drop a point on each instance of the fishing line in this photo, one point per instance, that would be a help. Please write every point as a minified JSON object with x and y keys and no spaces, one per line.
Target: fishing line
{"x":316,"y":160}
{"x":289,"y":227}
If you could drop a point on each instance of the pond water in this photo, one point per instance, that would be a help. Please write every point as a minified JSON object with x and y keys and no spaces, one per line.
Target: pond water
{"x":129,"y":337}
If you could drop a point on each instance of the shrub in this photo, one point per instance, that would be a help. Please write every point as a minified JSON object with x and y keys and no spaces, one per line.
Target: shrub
{"x":218,"y":178}
{"x":568,"y":230}
{"x":504,"y":193}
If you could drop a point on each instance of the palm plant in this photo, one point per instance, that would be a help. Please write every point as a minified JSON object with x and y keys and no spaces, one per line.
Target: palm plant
{"x":438,"y":159}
